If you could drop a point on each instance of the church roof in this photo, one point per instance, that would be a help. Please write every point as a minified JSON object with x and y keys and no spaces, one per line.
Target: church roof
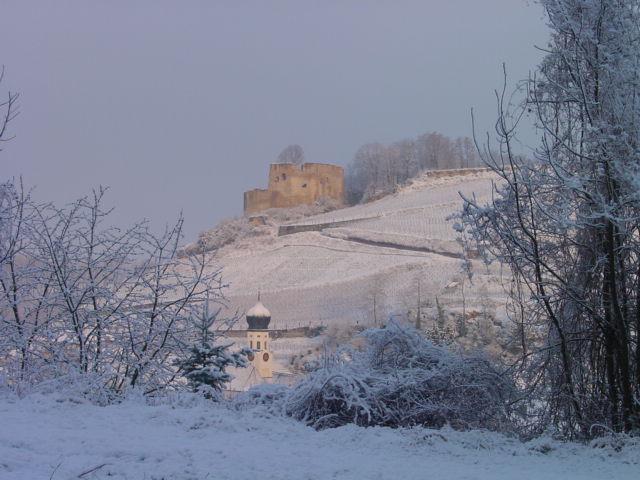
{"x":259,"y":310}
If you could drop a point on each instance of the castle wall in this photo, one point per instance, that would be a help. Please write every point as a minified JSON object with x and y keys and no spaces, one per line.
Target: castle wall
{"x":291,"y":185}
{"x":257,"y":200}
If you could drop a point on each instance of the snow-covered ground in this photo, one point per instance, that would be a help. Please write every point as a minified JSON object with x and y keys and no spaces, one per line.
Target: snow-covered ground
{"x":41,"y":438}
{"x":429,"y":200}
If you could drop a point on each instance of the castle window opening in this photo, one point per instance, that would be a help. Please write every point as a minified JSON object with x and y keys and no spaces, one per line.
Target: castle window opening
{"x":284,"y":176}
{"x":258,"y":345}
{"x":304,"y":185}
{"x":251,"y":344}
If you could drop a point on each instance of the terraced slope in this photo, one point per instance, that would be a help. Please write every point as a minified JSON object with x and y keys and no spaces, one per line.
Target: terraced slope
{"x":368,"y":271}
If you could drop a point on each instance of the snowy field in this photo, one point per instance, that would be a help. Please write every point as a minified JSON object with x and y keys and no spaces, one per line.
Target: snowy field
{"x":42,"y":438}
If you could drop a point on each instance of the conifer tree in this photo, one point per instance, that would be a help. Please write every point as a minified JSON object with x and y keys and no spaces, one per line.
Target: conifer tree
{"x":205,"y":367}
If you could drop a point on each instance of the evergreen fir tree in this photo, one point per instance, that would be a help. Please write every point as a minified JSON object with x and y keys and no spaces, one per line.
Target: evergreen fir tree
{"x":205,"y":367}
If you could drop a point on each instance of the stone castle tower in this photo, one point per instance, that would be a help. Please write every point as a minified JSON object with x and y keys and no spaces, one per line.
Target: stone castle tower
{"x":291,"y":185}
{"x":258,"y":319}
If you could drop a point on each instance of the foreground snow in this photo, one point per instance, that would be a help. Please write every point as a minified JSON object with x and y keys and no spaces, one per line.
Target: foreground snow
{"x":41,"y":437}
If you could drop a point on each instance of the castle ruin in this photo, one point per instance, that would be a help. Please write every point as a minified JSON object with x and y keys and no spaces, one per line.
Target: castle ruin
{"x":291,"y":185}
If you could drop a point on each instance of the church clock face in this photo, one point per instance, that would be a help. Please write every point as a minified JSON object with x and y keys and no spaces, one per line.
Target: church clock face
{"x":265,"y":357}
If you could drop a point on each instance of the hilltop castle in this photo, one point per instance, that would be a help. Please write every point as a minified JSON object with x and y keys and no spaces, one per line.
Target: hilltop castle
{"x":291,"y":185}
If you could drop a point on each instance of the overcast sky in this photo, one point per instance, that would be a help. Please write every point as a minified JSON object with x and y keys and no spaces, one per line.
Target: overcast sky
{"x":181,"y":105}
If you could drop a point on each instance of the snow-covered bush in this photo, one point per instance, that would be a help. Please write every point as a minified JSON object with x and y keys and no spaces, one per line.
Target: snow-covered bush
{"x":233,"y":230}
{"x":74,"y":387}
{"x":269,"y":398}
{"x":397,"y":379}
{"x":292,"y":214}
{"x":226,"y":232}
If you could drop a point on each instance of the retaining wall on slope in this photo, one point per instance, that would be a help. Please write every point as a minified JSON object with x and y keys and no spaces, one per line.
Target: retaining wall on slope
{"x":455,"y":172}
{"x":318,"y":227}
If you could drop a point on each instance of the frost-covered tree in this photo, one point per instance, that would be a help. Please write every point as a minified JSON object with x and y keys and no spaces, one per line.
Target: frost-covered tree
{"x":567,"y":221}
{"x":83,"y":269}
{"x":81,"y":298}
{"x":23,"y":315}
{"x":168,"y":290}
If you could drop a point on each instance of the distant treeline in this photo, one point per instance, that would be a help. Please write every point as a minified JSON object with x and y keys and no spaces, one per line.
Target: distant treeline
{"x":377,"y":169}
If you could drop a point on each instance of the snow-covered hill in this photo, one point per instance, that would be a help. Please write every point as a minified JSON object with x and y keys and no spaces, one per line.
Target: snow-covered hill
{"x":49,"y":438}
{"x":396,"y":246}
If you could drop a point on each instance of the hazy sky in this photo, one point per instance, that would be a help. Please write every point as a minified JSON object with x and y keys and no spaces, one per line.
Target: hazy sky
{"x":181,"y":105}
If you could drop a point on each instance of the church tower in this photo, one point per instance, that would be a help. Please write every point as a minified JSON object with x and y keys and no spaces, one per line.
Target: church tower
{"x":258,"y":318}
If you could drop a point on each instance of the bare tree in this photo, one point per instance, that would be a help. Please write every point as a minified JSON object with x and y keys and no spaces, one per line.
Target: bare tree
{"x":435,"y":151}
{"x":369,"y":164}
{"x":8,"y":112}
{"x":469,"y":154}
{"x":377,"y":169}
{"x":407,"y":153}
{"x":292,"y":154}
